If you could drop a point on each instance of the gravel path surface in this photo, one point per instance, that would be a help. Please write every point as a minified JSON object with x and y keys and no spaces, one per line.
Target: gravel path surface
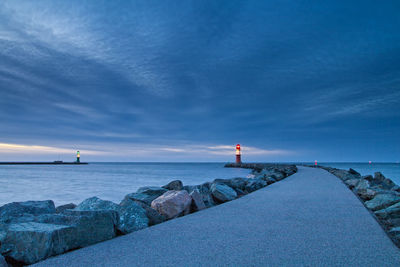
{"x":308,"y":219}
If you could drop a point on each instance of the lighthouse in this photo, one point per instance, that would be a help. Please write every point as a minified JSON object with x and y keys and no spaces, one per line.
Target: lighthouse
{"x":238,"y":155}
{"x":78,"y":157}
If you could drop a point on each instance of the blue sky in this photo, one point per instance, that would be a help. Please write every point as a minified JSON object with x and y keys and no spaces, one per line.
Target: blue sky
{"x":187,"y":80}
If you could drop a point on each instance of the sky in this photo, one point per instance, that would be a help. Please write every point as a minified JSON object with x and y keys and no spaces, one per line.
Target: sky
{"x":188,"y":80}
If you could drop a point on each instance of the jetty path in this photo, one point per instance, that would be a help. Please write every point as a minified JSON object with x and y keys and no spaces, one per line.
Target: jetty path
{"x":310,"y":218}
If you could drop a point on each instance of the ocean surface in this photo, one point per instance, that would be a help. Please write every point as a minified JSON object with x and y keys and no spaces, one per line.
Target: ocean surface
{"x":112,"y":181}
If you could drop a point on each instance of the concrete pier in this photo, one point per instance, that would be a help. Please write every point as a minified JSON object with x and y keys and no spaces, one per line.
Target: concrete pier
{"x":309,"y":219}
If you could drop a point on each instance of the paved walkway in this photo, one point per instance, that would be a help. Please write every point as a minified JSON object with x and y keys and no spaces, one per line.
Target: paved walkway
{"x":308,"y":219}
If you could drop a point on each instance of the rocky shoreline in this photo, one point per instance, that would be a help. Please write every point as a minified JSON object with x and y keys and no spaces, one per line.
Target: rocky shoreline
{"x":380,"y":195}
{"x":32,"y":231}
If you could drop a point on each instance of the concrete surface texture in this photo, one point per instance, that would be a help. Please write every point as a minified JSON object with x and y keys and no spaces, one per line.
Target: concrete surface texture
{"x":308,"y":219}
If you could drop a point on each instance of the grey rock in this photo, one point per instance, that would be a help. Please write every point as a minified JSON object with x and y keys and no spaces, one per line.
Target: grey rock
{"x":147,"y":194}
{"x":392,"y":212}
{"x":174,"y":185}
{"x":3,"y":262}
{"x":93,"y":226}
{"x":351,"y":183}
{"x":354,"y":172}
{"x":381,"y":182}
{"x":197,"y":201}
{"x":255,"y":184}
{"x":234,"y":183}
{"x":382,"y":200}
{"x":31,"y":242}
{"x":69,"y":206}
{"x":132,"y":217}
{"x":153,"y":215}
{"x":269,"y":179}
{"x":223,"y":193}
{"x":205,"y":191}
{"x":366,"y":194}
{"x":18,"y":209}
{"x":173,"y":203}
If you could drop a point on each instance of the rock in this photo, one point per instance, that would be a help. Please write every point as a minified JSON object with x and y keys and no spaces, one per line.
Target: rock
{"x":223,"y":193}
{"x":153,"y":216}
{"x":351,"y":183}
{"x":382,"y":200}
{"x":147,"y":194}
{"x":3,"y":262}
{"x":391,"y":212}
{"x":255,"y":184}
{"x":366,"y":194}
{"x":132,"y":217}
{"x":205,"y":192}
{"x":354,"y":172}
{"x":269,"y":180}
{"x":31,"y":242}
{"x":19,"y":209}
{"x":396,"y":188}
{"x":93,"y":226}
{"x":173,"y":203}
{"x":95,"y":203}
{"x":381,"y":182}
{"x":234,"y":183}
{"x":197,"y":201}
{"x":69,"y":206}
{"x":174,"y":185}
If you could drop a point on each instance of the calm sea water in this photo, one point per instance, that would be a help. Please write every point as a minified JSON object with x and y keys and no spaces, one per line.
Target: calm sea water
{"x":389,"y":170}
{"x":111,"y":181}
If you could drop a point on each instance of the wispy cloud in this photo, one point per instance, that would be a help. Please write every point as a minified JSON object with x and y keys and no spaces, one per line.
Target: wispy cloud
{"x":32,"y":149}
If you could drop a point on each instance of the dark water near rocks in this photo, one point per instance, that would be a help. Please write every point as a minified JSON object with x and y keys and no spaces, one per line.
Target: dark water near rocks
{"x":111,"y":181}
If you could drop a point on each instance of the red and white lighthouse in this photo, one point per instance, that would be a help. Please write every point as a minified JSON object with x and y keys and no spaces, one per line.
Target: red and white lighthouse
{"x":238,"y":155}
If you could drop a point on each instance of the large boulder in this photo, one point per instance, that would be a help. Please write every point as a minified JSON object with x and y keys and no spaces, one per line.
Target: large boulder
{"x":351,"y":183}
{"x":19,"y":209}
{"x":153,"y":215}
{"x":52,"y":234}
{"x":391,"y":212}
{"x":255,"y":184}
{"x":3,"y":262}
{"x":174,"y":185}
{"x":69,"y":206}
{"x":147,"y":194}
{"x":93,"y":226}
{"x":222,"y":193}
{"x":205,"y":192}
{"x":132,"y":217}
{"x":173,"y":203}
{"x":354,"y":172}
{"x":197,"y":201}
{"x":31,"y":242}
{"x":235,"y":183}
{"x":382,"y":200}
{"x":380,"y":181}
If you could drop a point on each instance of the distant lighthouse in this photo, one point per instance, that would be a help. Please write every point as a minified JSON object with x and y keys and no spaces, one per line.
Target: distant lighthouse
{"x":78,"y":157}
{"x":238,"y":155}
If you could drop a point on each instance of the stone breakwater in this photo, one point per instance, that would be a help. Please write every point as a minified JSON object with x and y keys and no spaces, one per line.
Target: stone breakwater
{"x":379,"y":194}
{"x":32,"y":231}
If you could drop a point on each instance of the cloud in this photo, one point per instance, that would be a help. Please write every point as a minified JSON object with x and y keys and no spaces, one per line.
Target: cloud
{"x":38,"y":150}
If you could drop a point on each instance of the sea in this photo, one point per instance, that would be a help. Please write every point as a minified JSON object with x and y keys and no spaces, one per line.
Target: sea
{"x":112,"y":181}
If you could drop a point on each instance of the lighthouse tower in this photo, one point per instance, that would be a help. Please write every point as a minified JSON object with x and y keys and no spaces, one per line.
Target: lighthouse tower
{"x":78,"y":157}
{"x":238,"y":155}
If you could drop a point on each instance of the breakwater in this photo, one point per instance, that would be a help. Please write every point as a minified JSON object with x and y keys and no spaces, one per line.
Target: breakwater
{"x":379,"y":194}
{"x":35,"y":230}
